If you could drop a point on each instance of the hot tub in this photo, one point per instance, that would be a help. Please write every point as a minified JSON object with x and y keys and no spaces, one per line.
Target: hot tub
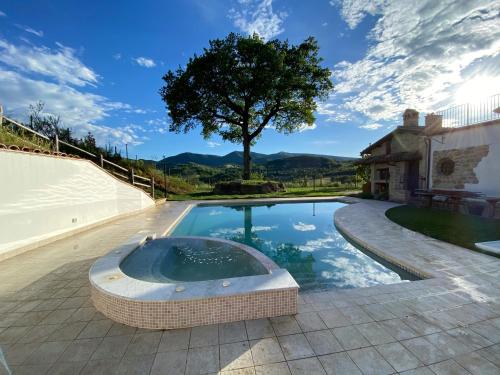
{"x":176,"y":282}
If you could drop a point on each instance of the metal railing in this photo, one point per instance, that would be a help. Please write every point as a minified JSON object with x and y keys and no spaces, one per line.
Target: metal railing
{"x":484,"y":110}
{"x":99,"y":160}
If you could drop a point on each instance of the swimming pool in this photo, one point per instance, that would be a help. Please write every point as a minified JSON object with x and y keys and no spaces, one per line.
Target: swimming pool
{"x":300,"y":237}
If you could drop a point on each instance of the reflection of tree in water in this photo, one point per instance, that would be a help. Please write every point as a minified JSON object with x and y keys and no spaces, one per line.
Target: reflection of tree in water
{"x":286,"y":255}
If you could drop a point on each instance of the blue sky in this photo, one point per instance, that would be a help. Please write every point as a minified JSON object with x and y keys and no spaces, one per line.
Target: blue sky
{"x":99,"y":66}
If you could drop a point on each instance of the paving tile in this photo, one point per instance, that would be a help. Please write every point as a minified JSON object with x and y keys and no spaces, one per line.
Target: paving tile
{"x":39,"y":333}
{"x":118,"y":329}
{"x":16,"y":354}
{"x":57,"y":316}
{"x":67,"y":368}
{"x":323,"y":342}
{"x":101,"y":367}
{"x":235,"y":356}
{"x":350,"y":338}
{"x":448,"y":344}
{"x":202,"y":360}
{"x":449,"y":367}
{"x":295,"y":346}
{"x":112,"y":347}
{"x":259,"y":328}
{"x":98,"y":328}
{"x":172,"y":363}
{"x":265,"y":351}
{"x":175,"y":339}
{"x":421,"y":325}
{"x":136,"y":365}
{"x":333,"y":318}
{"x":339,"y":363}
{"x":273,"y":369}
{"x":370,"y":362}
{"x":306,"y":366}
{"x":80,"y":350}
{"x":30,"y":369}
{"x":204,"y":336}
{"x":240,"y":371}
{"x":477,"y":365}
{"x":375,"y":333}
{"x":47,"y":352}
{"x":285,"y":325}
{"x":491,"y":353}
{"x":83,"y":314}
{"x":232,"y":332}
{"x":424,"y":350}
{"x":310,"y":321}
{"x":31,"y":318}
{"x":357,"y":315}
{"x":143,"y":344}
{"x":399,"y":329}
{"x":418,"y":371}
{"x":12,"y":334}
{"x":378,"y":312}
{"x":488,"y":331}
{"x":400,"y":358}
{"x":67,"y":331}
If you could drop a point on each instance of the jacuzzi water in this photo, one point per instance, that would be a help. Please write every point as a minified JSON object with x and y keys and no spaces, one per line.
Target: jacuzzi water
{"x":170,"y":260}
{"x":300,"y":237}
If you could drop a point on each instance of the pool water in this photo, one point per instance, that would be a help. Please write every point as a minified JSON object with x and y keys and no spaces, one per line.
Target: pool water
{"x":171,"y":260}
{"x":300,"y":237}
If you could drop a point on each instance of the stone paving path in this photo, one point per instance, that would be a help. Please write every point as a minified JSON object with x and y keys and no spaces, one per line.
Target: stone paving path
{"x":447,"y":324}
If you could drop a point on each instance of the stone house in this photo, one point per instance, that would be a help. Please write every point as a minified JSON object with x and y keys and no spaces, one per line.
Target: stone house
{"x":433,"y":157}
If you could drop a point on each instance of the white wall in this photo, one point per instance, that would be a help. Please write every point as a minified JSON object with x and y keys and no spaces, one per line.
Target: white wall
{"x":43,"y":196}
{"x":488,"y":169}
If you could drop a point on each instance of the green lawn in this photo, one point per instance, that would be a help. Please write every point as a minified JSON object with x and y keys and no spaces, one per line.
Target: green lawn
{"x":290,"y":192}
{"x":455,"y":228}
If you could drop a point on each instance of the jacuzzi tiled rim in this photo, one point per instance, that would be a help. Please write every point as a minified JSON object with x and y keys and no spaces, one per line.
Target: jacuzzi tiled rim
{"x":166,"y":306}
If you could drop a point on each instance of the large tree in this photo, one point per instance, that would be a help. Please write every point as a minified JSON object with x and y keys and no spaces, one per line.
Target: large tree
{"x":240,"y":85}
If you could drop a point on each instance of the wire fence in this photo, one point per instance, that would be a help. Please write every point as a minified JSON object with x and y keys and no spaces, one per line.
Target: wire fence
{"x":484,"y":110}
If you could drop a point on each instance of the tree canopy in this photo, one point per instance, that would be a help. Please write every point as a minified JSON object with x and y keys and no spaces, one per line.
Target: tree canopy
{"x":240,"y":85}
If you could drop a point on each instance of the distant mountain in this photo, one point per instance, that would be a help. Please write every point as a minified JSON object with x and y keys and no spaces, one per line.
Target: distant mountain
{"x":303,"y":162}
{"x":236,"y":158}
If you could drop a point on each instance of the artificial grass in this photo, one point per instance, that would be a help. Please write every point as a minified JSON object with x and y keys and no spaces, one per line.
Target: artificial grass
{"x":290,"y":192}
{"x":459,"y":229}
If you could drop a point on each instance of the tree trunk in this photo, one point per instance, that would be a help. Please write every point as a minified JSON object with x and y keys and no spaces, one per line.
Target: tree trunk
{"x":247,"y":160}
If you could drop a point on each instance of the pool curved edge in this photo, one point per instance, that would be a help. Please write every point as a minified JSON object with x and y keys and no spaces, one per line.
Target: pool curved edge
{"x":152,"y":305}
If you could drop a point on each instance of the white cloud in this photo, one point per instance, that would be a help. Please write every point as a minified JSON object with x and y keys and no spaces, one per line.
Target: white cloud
{"x":145,"y":62}
{"x":420,"y":53}
{"x":117,"y":56}
{"x":325,"y":142}
{"x":212,"y":144}
{"x":324,"y":24}
{"x":303,"y":227}
{"x":60,"y":64}
{"x":258,"y":16}
{"x":30,"y":30}
{"x":30,"y":73}
{"x":373,"y":126}
{"x":2,"y":14}
{"x":305,"y":127}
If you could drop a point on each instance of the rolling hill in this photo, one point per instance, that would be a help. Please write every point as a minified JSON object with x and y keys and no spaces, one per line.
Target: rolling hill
{"x":236,"y":158}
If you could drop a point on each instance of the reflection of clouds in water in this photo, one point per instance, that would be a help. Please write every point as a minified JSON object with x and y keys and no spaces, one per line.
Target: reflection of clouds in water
{"x":357,"y":273}
{"x":320,"y":243}
{"x":303,"y":227}
{"x":221,"y":232}
{"x":215,"y":213}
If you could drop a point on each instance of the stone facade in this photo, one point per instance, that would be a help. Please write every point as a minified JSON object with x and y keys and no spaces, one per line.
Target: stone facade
{"x":461,"y":170}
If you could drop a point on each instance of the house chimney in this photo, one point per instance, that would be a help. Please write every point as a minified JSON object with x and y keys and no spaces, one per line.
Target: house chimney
{"x":433,"y":122}
{"x":410,"y":117}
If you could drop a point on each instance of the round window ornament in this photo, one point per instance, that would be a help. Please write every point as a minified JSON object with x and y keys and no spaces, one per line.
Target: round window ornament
{"x":446,"y":166}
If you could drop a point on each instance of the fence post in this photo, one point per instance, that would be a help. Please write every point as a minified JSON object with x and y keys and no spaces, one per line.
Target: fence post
{"x":153,"y":187}
{"x":1,"y":115}
{"x":131,"y":176}
{"x":101,"y":161}
{"x":57,"y":143}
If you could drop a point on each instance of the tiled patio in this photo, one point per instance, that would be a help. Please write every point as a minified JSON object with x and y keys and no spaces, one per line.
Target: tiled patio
{"x":449,"y":324}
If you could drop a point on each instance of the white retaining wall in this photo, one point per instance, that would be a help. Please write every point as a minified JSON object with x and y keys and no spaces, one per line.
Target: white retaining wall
{"x":488,"y":169}
{"x":44,"y":197}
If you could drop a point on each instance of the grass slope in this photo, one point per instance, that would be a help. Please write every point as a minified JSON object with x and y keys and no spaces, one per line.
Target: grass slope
{"x":455,"y":228}
{"x":291,"y":192}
